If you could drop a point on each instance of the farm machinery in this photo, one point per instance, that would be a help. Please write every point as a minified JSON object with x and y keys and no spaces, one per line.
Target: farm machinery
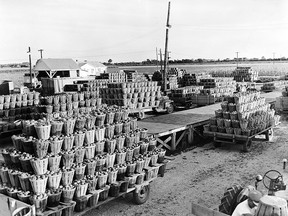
{"x":272,"y":180}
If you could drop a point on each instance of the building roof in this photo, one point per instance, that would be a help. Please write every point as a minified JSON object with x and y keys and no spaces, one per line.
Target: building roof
{"x":92,"y":63}
{"x":55,"y":65}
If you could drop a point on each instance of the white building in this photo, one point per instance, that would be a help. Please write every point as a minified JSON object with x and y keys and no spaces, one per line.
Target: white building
{"x":56,"y":68}
{"x":91,"y":68}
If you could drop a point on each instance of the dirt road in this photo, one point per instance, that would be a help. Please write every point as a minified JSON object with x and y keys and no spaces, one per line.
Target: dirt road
{"x":201,"y":176}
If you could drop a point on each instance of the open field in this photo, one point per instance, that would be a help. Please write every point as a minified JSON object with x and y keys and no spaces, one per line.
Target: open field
{"x":266,"y":68}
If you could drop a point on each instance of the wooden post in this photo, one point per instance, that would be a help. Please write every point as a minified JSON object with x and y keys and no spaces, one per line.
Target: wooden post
{"x":173,"y":142}
{"x":190,"y":135}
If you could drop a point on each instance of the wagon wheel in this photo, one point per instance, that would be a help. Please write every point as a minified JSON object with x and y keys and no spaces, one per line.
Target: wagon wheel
{"x":142,"y":195}
{"x":247,"y":145}
{"x":269,"y":134}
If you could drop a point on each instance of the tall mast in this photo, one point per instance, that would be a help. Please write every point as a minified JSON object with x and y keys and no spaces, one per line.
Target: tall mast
{"x":166,"y":50}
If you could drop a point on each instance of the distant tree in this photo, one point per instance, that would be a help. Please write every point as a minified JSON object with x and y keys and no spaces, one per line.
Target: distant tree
{"x":110,"y":61}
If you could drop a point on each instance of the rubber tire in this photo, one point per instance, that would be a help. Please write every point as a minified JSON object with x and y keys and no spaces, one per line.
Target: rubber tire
{"x":247,"y":146}
{"x":170,"y":109}
{"x":228,"y":202}
{"x":188,"y":105}
{"x":142,"y":196}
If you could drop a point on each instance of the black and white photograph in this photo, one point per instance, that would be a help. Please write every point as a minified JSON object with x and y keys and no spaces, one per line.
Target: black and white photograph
{"x":144,"y":107}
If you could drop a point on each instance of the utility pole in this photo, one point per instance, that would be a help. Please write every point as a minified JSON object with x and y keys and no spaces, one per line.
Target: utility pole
{"x":41,"y":50}
{"x":29,"y":51}
{"x":273,"y":57}
{"x":157,"y":58}
{"x":168,"y":53}
{"x":161,"y":62}
{"x":237,"y":58}
{"x":166,"y":49}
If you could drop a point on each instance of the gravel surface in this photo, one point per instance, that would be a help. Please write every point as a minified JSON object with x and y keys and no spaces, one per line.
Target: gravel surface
{"x":201,"y":176}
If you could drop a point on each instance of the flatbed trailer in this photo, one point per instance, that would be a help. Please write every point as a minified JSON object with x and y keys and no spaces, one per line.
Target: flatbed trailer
{"x":140,"y":190}
{"x":245,"y":141}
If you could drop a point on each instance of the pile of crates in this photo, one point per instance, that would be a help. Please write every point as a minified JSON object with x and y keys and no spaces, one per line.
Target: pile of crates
{"x":217,"y":82}
{"x":134,"y":95}
{"x":118,"y":76}
{"x":246,"y":74}
{"x":134,"y":76}
{"x":176,"y":72}
{"x":172,"y":82}
{"x":186,"y":91}
{"x":282,"y":102}
{"x":183,"y":96}
{"x":190,"y":79}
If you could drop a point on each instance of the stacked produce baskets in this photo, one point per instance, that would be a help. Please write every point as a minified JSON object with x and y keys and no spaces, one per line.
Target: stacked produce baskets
{"x":183,"y":96}
{"x":134,"y":76}
{"x":94,"y":85}
{"x":132,"y":95}
{"x":70,"y":103}
{"x":245,"y":113}
{"x":65,"y":159}
{"x":118,"y":76}
{"x":246,"y":74}
{"x":217,"y":82}
{"x":17,"y":106}
{"x":190,"y":79}
{"x":282,"y":102}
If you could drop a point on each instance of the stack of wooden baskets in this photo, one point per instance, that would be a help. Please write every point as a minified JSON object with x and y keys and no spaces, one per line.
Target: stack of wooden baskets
{"x":132,"y":94}
{"x":15,"y":107}
{"x":71,"y":102}
{"x":245,"y":113}
{"x":64,"y":159}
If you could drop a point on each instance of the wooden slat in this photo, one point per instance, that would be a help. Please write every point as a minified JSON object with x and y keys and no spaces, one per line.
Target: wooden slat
{"x":180,"y":138}
{"x":198,"y":210}
{"x":163,"y":143}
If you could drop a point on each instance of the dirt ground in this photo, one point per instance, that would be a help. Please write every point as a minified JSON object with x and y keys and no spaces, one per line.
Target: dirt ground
{"x":201,"y":176}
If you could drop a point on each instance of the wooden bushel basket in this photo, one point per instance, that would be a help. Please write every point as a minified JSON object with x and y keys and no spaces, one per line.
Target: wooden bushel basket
{"x":54,"y":162}
{"x":43,"y":131}
{"x":79,"y":139}
{"x":67,"y":177}
{"x":39,"y":165}
{"x":54,"y":180}
{"x":272,"y":205}
{"x":39,"y":185}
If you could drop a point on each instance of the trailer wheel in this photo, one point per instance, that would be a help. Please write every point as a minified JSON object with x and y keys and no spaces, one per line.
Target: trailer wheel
{"x":247,"y":145}
{"x":142,"y":195}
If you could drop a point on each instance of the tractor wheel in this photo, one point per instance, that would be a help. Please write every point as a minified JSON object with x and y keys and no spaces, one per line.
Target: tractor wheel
{"x":229,"y":200}
{"x":142,"y":196}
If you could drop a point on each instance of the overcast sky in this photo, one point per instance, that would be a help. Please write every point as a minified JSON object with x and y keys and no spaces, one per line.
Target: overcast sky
{"x":130,"y":30}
